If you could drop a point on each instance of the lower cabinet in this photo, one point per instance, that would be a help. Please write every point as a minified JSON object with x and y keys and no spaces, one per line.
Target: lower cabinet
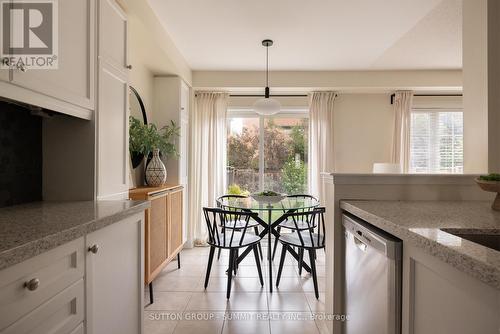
{"x":163,"y":226}
{"x":91,"y":285}
{"x":114,"y":278}
{"x":437,"y":298}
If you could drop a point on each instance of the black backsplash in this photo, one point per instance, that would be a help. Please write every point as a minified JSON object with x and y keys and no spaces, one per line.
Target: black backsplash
{"x":20,"y":155}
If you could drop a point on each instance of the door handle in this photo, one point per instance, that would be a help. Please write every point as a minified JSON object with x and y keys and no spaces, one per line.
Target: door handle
{"x":360,"y":244}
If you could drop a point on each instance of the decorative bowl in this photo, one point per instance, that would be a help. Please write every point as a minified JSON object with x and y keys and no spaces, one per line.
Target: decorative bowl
{"x":268,"y":199}
{"x":491,"y":186}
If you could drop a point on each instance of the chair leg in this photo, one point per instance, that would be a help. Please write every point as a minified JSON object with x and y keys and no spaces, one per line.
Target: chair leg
{"x":235,"y":261}
{"x":282,"y":262}
{"x":313,"y":272}
{"x":257,"y":261}
{"x":256,"y":230}
{"x":301,"y":260}
{"x":278,"y":229}
{"x":151,"y":299}
{"x":218,"y":252}
{"x":178,"y":260}
{"x":230,"y":273}
{"x":210,"y":260}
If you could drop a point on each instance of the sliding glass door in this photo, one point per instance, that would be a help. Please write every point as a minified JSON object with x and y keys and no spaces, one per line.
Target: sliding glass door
{"x":267,"y":153}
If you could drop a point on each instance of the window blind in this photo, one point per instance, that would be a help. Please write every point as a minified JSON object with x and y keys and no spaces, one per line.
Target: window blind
{"x":436,"y":141}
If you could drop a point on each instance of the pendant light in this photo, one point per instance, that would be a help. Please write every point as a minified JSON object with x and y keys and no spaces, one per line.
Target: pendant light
{"x":267,"y":106}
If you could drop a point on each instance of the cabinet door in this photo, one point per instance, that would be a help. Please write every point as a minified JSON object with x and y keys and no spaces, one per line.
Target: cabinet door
{"x":112,"y":134}
{"x":73,"y":80}
{"x":156,"y":236}
{"x":114,"y":278}
{"x":113,"y":34}
{"x":175,"y":222}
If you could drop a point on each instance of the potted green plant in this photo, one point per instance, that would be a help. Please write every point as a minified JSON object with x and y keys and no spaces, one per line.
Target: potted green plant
{"x":146,"y":140}
{"x":491,"y":183}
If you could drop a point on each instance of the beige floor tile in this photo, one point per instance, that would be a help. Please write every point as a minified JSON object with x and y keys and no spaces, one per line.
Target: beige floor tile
{"x":213,"y":301}
{"x":288,"y":271}
{"x":199,"y":326}
{"x":239,"y":284}
{"x":172,"y":283}
{"x":185,"y":271}
{"x":247,"y":301}
{"x":308,"y":284}
{"x":172,"y":301}
{"x":288,"y":301}
{"x":294,"y":327}
{"x":156,"y":323}
{"x":316,"y":305}
{"x":246,"y":327}
{"x":288,"y":284}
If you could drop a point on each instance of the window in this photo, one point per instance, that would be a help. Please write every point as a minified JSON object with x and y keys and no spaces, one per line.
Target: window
{"x":436,"y":141}
{"x":267,"y":152}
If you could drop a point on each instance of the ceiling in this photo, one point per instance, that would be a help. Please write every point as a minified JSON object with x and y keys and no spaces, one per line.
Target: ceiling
{"x":315,"y":34}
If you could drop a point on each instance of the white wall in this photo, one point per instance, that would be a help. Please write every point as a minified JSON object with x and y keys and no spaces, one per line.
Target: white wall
{"x":363,"y":131}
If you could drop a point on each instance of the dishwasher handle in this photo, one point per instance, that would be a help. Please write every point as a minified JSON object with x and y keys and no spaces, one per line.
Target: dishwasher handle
{"x":371,"y":237}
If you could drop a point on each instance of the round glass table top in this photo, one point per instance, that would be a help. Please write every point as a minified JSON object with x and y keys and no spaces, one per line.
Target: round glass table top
{"x":287,"y":203}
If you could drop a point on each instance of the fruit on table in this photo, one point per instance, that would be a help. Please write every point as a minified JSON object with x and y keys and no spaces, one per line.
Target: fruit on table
{"x":268,"y":193}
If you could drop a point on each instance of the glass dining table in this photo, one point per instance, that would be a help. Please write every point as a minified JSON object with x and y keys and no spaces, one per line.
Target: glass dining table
{"x":270,"y":216}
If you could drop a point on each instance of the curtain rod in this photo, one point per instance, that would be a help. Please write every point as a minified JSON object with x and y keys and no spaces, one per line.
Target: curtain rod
{"x":443,"y":95}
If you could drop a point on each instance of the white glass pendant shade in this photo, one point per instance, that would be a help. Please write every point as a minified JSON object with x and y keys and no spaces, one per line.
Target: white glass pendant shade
{"x":267,"y":106}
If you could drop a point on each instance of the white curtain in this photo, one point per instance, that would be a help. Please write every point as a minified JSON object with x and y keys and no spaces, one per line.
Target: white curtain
{"x":207,"y":168}
{"x":401,"y":133}
{"x":321,"y":155}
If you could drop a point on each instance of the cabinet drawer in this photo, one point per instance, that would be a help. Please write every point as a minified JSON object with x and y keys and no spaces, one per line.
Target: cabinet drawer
{"x":58,"y":315}
{"x":55,"y":270}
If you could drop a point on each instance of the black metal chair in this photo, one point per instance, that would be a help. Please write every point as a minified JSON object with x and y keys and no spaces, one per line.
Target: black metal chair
{"x":287,"y":224}
{"x":310,"y":239}
{"x":221,"y":237}
{"x":237,"y":225}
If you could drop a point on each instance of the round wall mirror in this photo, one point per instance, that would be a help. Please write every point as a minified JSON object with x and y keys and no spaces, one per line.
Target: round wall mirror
{"x":137,"y":110}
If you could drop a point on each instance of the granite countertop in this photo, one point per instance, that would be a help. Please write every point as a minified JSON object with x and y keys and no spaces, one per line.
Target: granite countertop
{"x":420,"y":222}
{"x":31,"y":229}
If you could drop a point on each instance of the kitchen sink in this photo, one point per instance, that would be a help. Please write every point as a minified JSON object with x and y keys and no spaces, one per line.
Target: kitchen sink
{"x":490,"y":240}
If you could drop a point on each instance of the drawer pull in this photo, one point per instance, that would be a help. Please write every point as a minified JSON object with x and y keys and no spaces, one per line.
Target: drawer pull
{"x":32,"y":284}
{"x":94,"y":249}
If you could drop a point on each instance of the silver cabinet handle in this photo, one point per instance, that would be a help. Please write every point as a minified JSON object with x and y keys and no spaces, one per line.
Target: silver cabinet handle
{"x":94,"y":249}
{"x":32,"y":284}
{"x":129,"y":67}
{"x":21,"y":67}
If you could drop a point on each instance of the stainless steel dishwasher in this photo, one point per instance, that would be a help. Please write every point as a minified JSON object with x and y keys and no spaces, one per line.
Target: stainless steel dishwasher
{"x":372,"y":279}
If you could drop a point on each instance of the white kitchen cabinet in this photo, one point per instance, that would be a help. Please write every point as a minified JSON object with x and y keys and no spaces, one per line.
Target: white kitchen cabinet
{"x":113,"y":34}
{"x":73,"y":80}
{"x":44,"y":294}
{"x":114,"y":277}
{"x":112,"y":105}
{"x":438,"y":298}
{"x":171,"y":103}
{"x":112,"y":134}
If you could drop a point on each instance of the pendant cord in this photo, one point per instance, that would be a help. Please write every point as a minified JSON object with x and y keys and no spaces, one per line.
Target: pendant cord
{"x":267,"y":66}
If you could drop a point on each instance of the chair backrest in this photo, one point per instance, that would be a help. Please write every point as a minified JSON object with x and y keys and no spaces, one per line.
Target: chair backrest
{"x":315,"y":219}
{"x":299,"y":197}
{"x":221,"y":198}
{"x":216,"y":219}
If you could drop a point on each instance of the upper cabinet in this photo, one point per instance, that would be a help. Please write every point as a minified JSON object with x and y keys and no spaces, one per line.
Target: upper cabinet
{"x":73,"y":81}
{"x":113,"y":35}
{"x":112,"y":104}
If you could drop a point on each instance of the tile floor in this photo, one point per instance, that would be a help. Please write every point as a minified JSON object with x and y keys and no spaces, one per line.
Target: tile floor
{"x":183,"y":306}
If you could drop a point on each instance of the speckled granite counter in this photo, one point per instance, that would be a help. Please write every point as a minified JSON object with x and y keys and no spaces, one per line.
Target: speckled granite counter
{"x":420,"y":224}
{"x":31,"y":229}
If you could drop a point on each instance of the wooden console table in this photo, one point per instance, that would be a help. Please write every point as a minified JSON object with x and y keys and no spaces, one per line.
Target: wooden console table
{"x":163,"y":228}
